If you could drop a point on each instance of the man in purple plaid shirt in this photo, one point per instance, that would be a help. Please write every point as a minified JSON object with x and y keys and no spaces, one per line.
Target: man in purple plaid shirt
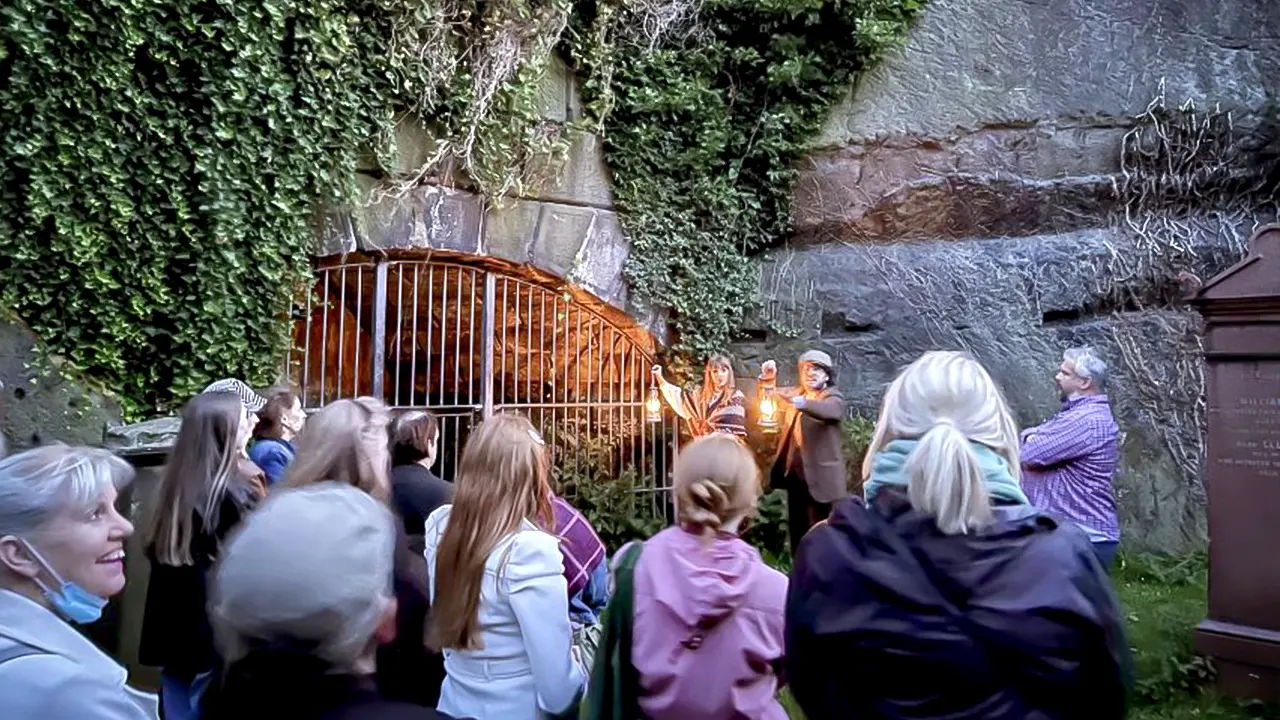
{"x":1069,"y":462}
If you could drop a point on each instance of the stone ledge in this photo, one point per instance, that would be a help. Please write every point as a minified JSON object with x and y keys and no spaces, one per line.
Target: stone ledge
{"x":155,"y":436}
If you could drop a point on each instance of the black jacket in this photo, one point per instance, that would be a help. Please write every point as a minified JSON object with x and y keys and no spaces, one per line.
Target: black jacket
{"x":407,"y":669}
{"x":272,"y":684}
{"x":887,"y":618}
{"x":416,"y":493}
{"x":176,"y":635}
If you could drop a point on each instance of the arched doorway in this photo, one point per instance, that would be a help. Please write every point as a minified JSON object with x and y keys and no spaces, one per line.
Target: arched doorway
{"x":466,"y":336}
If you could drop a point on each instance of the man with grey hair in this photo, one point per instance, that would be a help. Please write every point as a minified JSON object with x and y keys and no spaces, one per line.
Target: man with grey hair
{"x":1069,"y":462}
{"x":300,"y":602}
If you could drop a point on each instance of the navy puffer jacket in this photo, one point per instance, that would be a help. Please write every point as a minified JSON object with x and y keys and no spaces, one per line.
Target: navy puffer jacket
{"x":888,"y":618}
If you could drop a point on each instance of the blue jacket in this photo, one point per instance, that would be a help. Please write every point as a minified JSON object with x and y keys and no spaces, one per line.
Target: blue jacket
{"x":588,"y":605}
{"x":273,"y":456}
{"x":889,"y":619}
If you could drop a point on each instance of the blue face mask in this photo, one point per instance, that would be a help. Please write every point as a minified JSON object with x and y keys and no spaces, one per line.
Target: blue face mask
{"x":70,"y":600}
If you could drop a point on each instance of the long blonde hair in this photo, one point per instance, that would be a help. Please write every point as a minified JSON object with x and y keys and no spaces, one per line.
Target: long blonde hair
{"x":200,"y":470}
{"x":716,"y":480}
{"x":946,"y":400}
{"x":345,"y":442}
{"x":503,"y":480}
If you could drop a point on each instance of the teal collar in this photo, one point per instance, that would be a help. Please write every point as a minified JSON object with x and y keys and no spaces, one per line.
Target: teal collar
{"x":888,"y":468}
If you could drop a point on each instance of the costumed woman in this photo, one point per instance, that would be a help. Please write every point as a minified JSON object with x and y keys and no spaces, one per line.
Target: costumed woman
{"x":716,"y":406}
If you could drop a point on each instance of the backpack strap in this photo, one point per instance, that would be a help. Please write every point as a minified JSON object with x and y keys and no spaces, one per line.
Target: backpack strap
{"x":613,"y":687}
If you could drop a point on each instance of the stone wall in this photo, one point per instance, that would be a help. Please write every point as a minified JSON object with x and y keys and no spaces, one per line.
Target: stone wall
{"x":39,"y":403}
{"x":568,"y":229}
{"x":966,"y":196}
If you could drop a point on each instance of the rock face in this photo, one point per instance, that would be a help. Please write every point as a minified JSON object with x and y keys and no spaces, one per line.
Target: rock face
{"x":970,"y":194}
{"x":39,"y":404}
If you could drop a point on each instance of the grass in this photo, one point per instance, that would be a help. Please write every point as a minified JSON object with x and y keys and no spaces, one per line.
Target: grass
{"x":1163,"y":598}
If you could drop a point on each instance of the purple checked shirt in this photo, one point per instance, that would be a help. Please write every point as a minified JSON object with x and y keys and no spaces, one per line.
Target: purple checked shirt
{"x":1069,"y":464}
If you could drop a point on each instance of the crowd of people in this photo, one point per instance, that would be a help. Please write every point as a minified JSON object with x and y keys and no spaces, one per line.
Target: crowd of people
{"x":316,"y":568}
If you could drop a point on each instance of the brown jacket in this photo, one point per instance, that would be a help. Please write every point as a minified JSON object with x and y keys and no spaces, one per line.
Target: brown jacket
{"x":820,"y":453}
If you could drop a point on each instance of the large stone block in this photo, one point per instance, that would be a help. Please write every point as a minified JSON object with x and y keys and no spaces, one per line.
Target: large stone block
{"x":582,"y":245}
{"x":555,"y":90}
{"x":415,"y":145}
{"x":597,"y":265}
{"x":509,"y":229}
{"x":156,"y":436}
{"x":335,"y":233}
{"x":584,"y":178}
{"x":426,"y":217}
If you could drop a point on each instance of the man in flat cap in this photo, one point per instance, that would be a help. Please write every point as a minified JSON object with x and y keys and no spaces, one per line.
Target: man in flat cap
{"x":809,"y":464}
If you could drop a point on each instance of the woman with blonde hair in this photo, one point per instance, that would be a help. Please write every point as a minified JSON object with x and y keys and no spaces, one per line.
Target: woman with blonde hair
{"x":345,"y":442}
{"x":204,"y":494}
{"x":946,"y":594}
{"x":500,"y":599}
{"x":62,"y":554}
{"x":348,"y":442}
{"x":715,"y":406}
{"x":705,"y":614}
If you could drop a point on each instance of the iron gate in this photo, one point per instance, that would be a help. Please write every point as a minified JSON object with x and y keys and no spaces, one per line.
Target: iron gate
{"x":466,"y":340}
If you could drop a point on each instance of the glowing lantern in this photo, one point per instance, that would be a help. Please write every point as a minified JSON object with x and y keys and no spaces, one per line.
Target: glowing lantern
{"x":653,"y":406}
{"x":768,"y":408}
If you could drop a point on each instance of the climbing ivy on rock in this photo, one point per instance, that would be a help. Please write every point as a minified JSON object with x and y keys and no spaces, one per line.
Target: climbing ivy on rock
{"x":163,"y":163}
{"x":704,"y":127}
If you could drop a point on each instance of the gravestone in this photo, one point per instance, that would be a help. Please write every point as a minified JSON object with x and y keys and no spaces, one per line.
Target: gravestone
{"x":1241,"y":308}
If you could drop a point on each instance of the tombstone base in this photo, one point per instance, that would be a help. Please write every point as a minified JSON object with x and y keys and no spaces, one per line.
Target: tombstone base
{"x":1247,"y":658}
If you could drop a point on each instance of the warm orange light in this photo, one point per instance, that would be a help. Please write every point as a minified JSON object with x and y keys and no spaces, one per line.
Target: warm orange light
{"x":768,"y":413}
{"x":653,"y":406}
{"x":768,"y":407}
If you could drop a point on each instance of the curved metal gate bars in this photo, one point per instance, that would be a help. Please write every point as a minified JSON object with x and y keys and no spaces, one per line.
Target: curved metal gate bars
{"x":466,"y":341}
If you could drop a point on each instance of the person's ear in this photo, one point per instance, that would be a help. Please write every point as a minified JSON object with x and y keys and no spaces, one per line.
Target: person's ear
{"x":15,"y":556}
{"x":385,"y":634}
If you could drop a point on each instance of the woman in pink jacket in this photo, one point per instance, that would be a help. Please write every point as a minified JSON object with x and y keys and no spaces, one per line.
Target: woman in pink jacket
{"x":708,"y":624}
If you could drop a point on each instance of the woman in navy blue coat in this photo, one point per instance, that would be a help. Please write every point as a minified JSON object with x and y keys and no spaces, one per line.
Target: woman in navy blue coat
{"x":945,"y":594}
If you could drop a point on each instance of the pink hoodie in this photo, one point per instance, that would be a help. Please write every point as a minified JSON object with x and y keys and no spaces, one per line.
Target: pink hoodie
{"x":708,"y":629}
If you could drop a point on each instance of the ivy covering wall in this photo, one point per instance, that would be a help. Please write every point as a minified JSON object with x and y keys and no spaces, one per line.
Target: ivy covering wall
{"x":703,"y":130}
{"x":163,"y":162}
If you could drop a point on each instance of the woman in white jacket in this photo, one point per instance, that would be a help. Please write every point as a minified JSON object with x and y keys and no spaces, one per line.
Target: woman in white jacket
{"x":61,"y":557}
{"x":500,"y":607}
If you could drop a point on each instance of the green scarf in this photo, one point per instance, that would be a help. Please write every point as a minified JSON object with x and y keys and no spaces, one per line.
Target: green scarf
{"x":888,"y":467}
